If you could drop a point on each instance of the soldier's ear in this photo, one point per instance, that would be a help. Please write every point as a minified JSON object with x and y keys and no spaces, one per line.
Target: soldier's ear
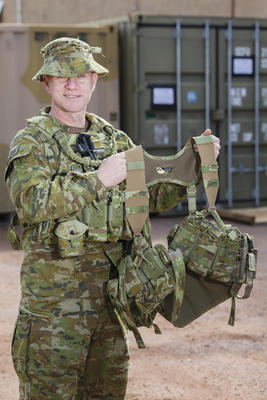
{"x":94,"y":79}
{"x":45,"y":79}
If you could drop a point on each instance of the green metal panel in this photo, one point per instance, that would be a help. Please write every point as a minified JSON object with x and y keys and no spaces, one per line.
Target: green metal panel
{"x":150,"y":49}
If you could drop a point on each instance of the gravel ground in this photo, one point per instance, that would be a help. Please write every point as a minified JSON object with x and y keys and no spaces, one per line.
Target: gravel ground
{"x":206,"y":360}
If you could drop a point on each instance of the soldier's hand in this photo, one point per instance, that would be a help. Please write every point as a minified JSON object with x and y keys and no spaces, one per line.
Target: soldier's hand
{"x":216,"y":142}
{"x":113,"y":170}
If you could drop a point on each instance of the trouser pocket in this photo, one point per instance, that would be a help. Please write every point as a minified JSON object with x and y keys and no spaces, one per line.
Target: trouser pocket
{"x":20,"y":346}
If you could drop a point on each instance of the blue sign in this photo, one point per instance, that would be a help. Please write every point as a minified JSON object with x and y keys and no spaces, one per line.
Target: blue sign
{"x":191,"y":96}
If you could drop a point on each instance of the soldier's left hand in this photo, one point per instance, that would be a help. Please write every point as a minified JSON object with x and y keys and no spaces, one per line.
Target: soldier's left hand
{"x":216,"y":142}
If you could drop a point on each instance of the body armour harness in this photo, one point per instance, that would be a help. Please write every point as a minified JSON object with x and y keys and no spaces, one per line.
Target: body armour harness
{"x":218,"y":257}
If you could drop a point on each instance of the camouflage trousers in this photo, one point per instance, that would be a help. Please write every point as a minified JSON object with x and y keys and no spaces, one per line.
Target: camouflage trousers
{"x":70,"y":346}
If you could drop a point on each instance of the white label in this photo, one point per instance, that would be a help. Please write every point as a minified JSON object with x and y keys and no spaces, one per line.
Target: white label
{"x":264,"y":131}
{"x":234,"y":133}
{"x":247,"y":137}
{"x":242,"y":51}
{"x":163,"y":96}
{"x":264,"y":63}
{"x":238,"y":94}
{"x":161,"y":134}
{"x":264,"y":58}
{"x":264,"y":95}
{"x":242,"y":66}
{"x":234,"y":137}
{"x":235,"y":128}
{"x":264,"y":127}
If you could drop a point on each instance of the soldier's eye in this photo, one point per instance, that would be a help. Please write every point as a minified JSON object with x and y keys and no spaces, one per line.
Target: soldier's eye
{"x":62,"y":79}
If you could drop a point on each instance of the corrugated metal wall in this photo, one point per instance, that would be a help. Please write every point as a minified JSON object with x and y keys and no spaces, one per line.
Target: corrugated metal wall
{"x":186,"y":75}
{"x":69,"y":11}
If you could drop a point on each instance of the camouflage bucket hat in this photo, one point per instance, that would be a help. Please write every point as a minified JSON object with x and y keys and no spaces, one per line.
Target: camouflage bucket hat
{"x":67,"y":57}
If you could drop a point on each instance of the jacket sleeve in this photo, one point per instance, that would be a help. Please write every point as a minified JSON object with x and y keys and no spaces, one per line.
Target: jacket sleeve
{"x":165,"y":196}
{"x":36,"y":193}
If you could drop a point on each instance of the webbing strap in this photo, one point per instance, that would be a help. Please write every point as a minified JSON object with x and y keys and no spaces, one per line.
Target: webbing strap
{"x":209,"y":167}
{"x":191,"y":198}
{"x":136,"y":196}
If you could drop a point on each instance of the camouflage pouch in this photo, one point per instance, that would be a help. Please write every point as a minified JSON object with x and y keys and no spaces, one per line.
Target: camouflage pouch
{"x":213,"y":252}
{"x":95,"y":216}
{"x":70,"y":238}
{"x":146,"y":277}
{"x":115,"y":214}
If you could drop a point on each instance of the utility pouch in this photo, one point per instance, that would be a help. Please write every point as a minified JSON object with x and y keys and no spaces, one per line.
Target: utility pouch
{"x":146,"y":277}
{"x":218,"y":257}
{"x":95,"y":217}
{"x":70,"y":236}
{"x":115,"y":215}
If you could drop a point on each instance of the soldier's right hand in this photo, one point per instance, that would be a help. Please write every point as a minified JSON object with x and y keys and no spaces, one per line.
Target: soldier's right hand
{"x":112,"y":170}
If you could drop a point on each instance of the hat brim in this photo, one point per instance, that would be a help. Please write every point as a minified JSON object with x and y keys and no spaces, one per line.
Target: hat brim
{"x":69,"y":66}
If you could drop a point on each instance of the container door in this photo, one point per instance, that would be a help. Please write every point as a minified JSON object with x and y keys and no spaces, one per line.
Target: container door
{"x":207,"y":74}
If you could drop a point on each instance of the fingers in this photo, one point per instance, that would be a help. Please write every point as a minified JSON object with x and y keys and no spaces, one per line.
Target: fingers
{"x":113,"y":170}
{"x":119,"y":155}
{"x":216,"y":142}
{"x":207,"y":132}
{"x":217,"y":146}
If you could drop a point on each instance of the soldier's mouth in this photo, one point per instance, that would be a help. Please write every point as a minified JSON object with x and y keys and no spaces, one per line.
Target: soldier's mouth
{"x":73,"y":96}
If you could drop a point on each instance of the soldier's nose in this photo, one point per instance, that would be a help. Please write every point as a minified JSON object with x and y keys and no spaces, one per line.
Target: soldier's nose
{"x":71,"y":83}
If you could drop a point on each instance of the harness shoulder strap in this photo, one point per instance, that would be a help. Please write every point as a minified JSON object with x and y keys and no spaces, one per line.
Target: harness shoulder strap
{"x":209,"y":167}
{"x":136,"y":196}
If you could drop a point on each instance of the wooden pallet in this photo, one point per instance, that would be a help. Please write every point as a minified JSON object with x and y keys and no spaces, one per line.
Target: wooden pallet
{"x":246,"y":215}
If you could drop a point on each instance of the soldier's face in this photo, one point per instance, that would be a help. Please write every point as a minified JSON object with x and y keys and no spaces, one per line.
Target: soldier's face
{"x":71,"y":94}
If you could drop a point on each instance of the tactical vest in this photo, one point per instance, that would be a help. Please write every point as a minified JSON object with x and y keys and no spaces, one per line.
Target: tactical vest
{"x":104,"y":219}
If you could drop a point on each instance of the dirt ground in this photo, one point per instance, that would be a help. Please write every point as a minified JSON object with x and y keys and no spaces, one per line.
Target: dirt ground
{"x":206,"y":360}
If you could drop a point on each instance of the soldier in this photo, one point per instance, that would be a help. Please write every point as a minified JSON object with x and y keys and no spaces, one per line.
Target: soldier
{"x":66,"y":174}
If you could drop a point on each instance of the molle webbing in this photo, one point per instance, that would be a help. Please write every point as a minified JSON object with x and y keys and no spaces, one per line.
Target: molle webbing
{"x":136,"y":196}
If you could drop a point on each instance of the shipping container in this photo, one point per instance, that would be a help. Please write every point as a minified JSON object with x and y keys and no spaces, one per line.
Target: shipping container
{"x":180,"y":76}
{"x":22,"y":98}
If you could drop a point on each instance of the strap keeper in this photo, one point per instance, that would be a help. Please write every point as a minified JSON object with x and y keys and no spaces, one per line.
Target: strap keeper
{"x":191,"y":198}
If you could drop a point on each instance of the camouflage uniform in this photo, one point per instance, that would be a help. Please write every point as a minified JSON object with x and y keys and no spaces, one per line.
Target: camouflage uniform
{"x":68,"y":343}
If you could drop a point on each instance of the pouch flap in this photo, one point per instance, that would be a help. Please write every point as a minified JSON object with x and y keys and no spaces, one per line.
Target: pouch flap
{"x":70,"y":229}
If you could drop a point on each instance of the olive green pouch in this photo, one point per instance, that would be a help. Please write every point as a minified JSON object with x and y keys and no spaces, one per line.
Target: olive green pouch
{"x":115,"y":214}
{"x":70,"y":236}
{"x":145,"y":277}
{"x":95,"y":217}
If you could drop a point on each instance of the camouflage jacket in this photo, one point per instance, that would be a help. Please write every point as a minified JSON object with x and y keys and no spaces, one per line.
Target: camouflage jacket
{"x":48,"y":183}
